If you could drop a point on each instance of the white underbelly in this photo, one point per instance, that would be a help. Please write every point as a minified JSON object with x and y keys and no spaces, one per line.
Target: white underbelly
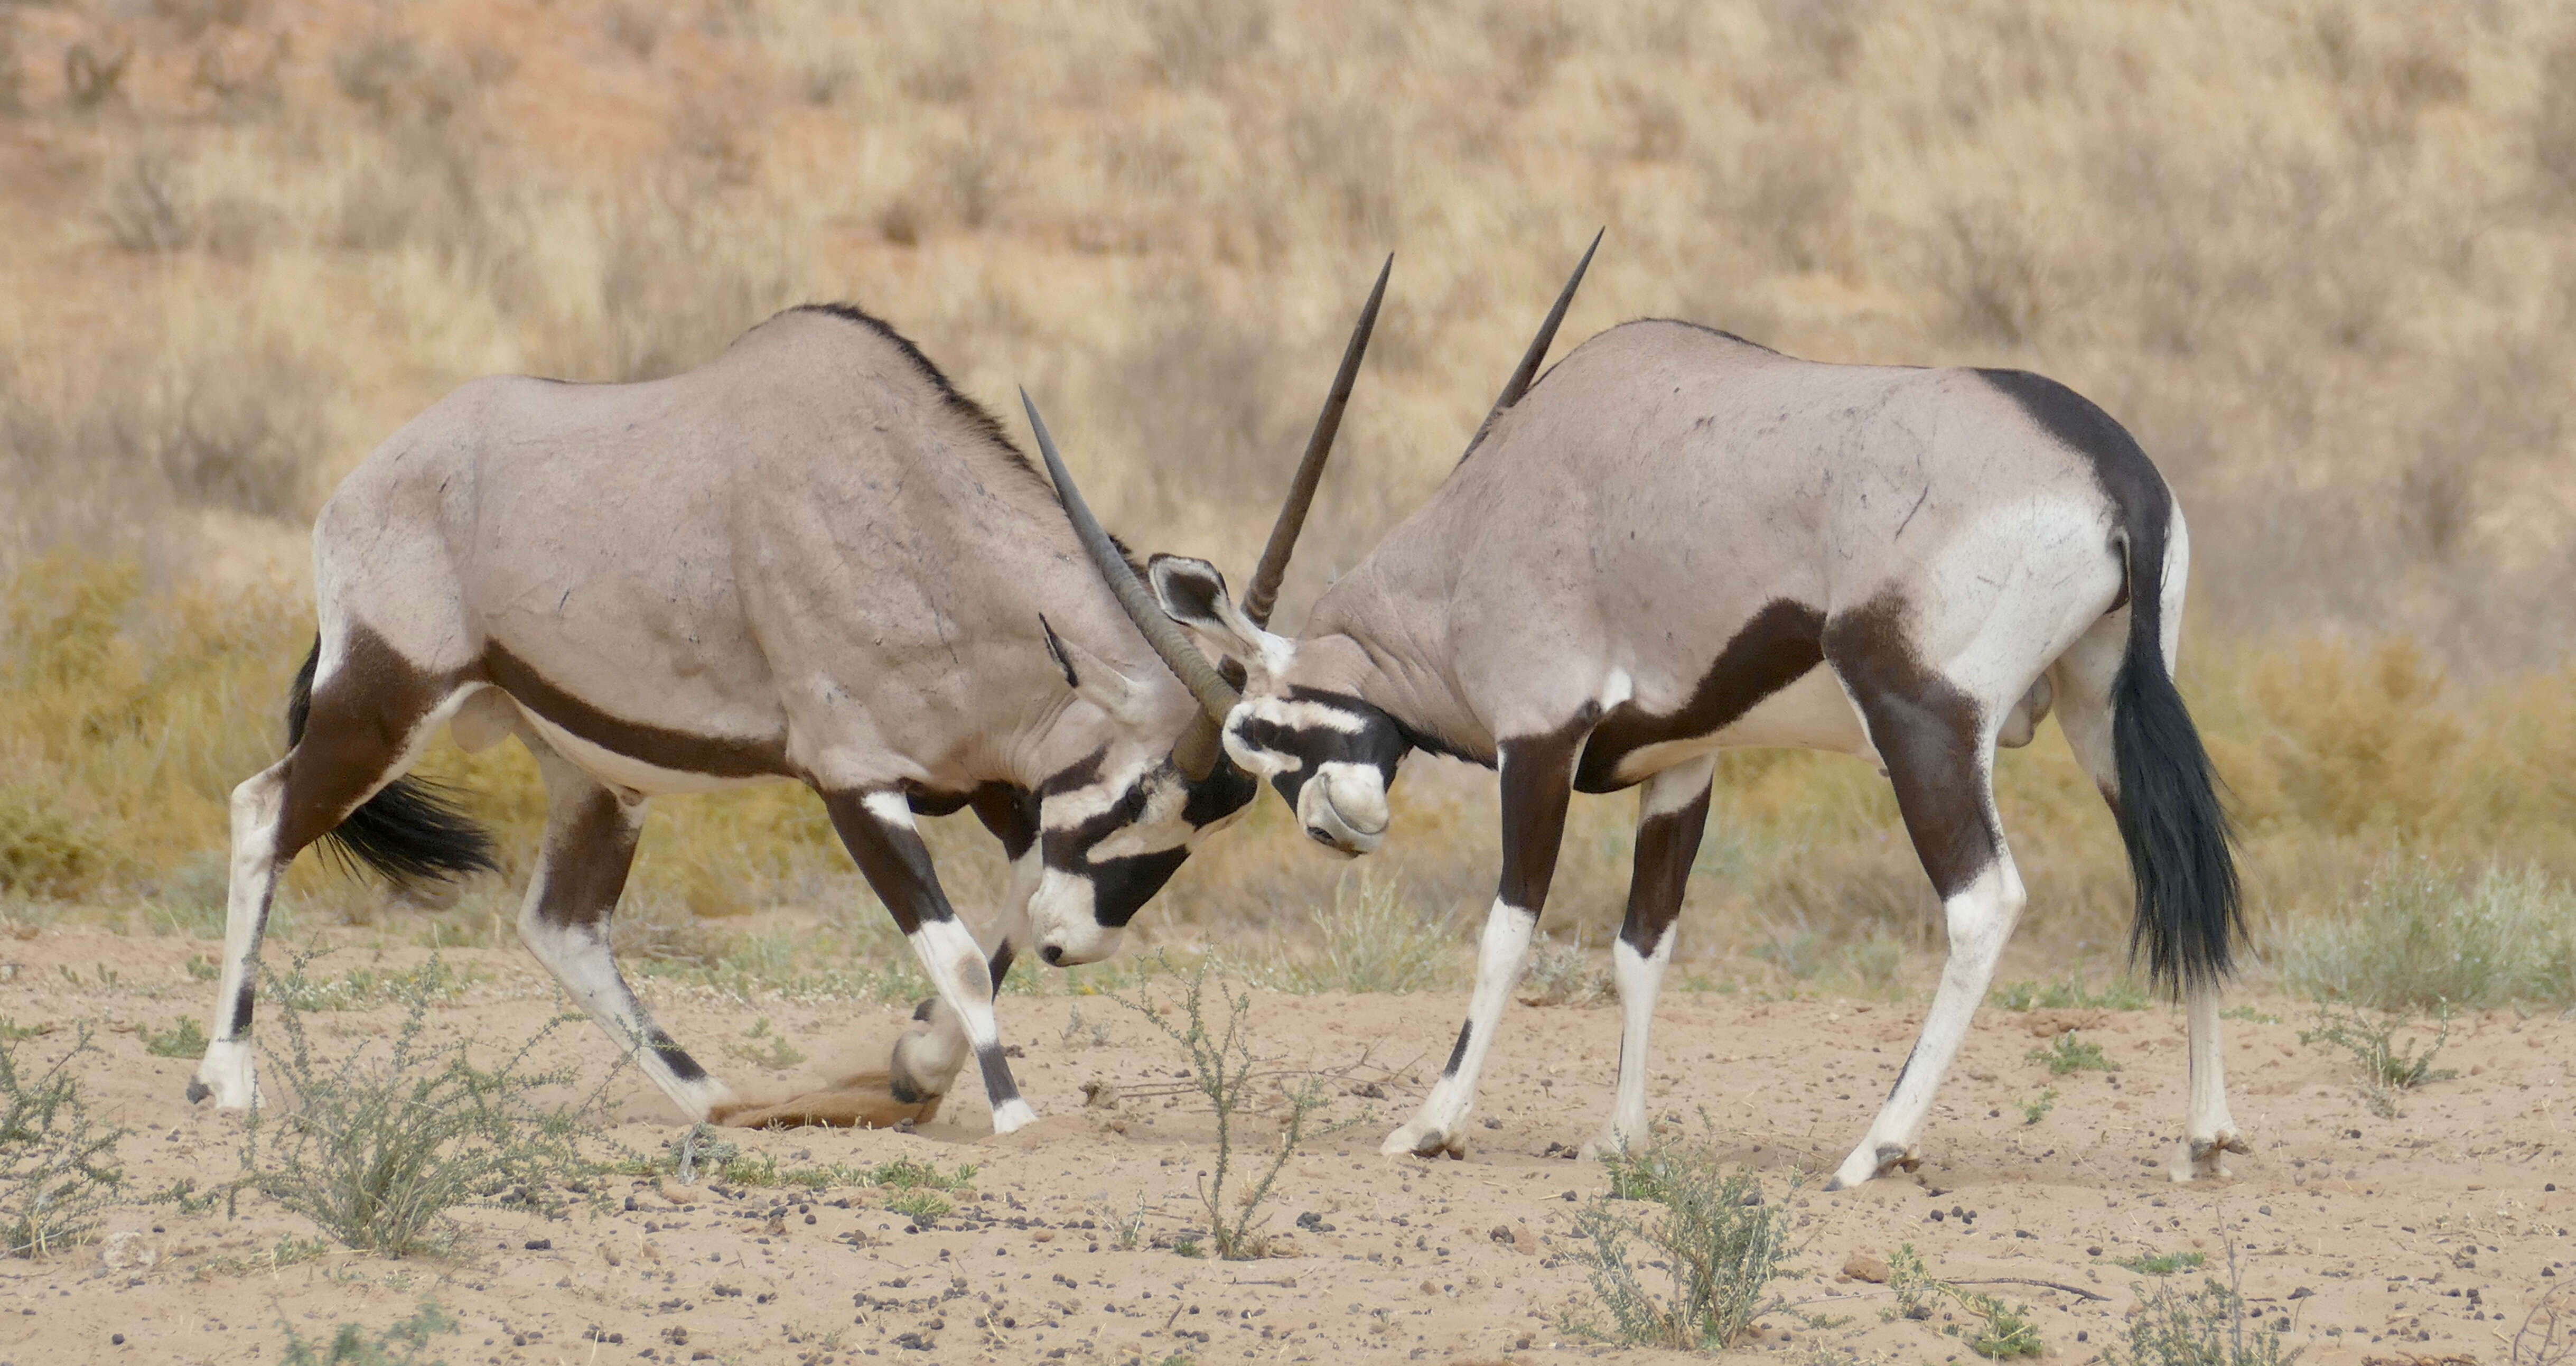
{"x":1812,"y":713}
{"x":618,"y":770}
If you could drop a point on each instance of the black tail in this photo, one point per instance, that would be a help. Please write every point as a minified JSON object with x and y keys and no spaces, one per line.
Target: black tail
{"x":410,"y":831}
{"x":2190,"y":914}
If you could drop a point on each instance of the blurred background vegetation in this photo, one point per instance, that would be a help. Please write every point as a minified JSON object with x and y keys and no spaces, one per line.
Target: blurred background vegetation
{"x":2318,"y":256}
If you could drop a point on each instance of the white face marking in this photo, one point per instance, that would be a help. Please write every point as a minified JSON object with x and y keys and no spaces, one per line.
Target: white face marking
{"x":1158,"y":828}
{"x":1062,"y":917}
{"x":1618,"y":688}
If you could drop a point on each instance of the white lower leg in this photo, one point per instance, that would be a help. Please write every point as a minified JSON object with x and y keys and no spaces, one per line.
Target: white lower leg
{"x":928,"y":1057}
{"x":1641,"y":976}
{"x":2208,"y":1133}
{"x":1441,"y":1124}
{"x":226,"y":1072}
{"x":579,"y":958}
{"x":965,"y":985}
{"x":1981,"y":919}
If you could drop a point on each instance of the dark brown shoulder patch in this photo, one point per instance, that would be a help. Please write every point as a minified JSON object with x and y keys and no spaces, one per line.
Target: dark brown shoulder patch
{"x":1772,"y":650}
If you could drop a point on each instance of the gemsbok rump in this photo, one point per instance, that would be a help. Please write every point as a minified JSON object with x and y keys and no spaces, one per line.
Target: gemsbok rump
{"x":810,"y":559}
{"x":1679,"y":542}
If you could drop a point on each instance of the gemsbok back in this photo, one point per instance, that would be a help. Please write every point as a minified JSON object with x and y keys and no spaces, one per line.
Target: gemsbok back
{"x":1679,"y":542}
{"x":811,"y":559}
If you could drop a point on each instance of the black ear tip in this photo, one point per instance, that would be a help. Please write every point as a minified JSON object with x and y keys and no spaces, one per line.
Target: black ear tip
{"x":1055,"y":652}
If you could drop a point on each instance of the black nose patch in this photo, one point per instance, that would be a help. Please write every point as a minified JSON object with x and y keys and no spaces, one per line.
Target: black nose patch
{"x":1052,"y":954}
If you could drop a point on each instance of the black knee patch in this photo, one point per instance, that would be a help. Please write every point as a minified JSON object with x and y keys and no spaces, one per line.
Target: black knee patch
{"x":922,"y":1011}
{"x":239,"y":1025}
{"x":675,"y":1057}
{"x":998,"y":1086}
{"x":1458,"y":1054}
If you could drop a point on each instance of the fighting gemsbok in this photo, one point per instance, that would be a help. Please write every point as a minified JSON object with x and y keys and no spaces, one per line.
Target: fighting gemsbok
{"x":810,"y":559}
{"x":1678,"y":542}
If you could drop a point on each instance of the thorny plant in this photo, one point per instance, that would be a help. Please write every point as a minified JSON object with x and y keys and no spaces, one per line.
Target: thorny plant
{"x":2201,"y":1328}
{"x":56,"y":1172}
{"x":1714,"y":1236}
{"x":2388,"y":1064}
{"x":1222,"y":1069}
{"x":377,"y":1150}
{"x":1911,"y":1282}
{"x":2004,"y":1333}
{"x":2548,"y":1333}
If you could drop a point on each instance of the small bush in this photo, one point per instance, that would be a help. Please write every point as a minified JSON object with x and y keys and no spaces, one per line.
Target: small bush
{"x":1718,"y":1242}
{"x":764,"y":1048}
{"x":2036,"y":1108}
{"x":55,"y":1172}
{"x":402,"y":1343}
{"x":2164,"y":1263}
{"x":1221,"y":1068}
{"x":2424,"y":936}
{"x":1374,"y":941}
{"x":44,"y":851}
{"x":1911,"y":1282}
{"x":1562,"y":975}
{"x":2003,"y":1333}
{"x":182,"y":1040}
{"x":920,"y":1206}
{"x":2388,"y":1064}
{"x":2066,"y":1053}
{"x":377,"y":1150}
{"x":2203,"y":1328}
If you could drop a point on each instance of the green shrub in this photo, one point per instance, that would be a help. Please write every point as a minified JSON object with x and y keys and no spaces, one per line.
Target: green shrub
{"x":1711,"y":1233}
{"x":402,"y":1343}
{"x":1374,"y":941}
{"x":2163,"y":1263}
{"x":182,"y":1040}
{"x":2202,"y":1328}
{"x":2424,"y":936}
{"x":377,"y":1150}
{"x":2066,"y":1053}
{"x":55,"y":1156}
{"x":2388,"y":1064}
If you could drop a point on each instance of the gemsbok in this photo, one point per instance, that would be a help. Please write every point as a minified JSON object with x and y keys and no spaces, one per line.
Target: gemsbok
{"x":1678,"y":542}
{"x":810,"y":559}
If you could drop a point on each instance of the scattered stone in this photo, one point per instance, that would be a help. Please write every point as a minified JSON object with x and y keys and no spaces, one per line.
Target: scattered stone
{"x":1861,"y":1266}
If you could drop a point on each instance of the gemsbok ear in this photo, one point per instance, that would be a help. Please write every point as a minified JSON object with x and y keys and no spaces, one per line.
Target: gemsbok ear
{"x":1095,"y":682}
{"x":1193,"y":593}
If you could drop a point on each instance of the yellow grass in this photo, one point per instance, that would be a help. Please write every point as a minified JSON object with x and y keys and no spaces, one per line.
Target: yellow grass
{"x":2317,"y":256}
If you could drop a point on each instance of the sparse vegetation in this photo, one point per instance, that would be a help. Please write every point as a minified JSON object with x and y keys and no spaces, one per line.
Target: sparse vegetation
{"x":431,"y":983}
{"x":58,"y":1172}
{"x":1911,"y":1282}
{"x":2037,"y":1107}
{"x":1373,"y":940}
{"x":2003,"y":1332}
{"x":2389,"y":1064}
{"x":764,"y":1048}
{"x":2207,"y":1327}
{"x":921,"y":1207}
{"x":1563,"y":974}
{"x":1222,"y":1069}
{"x":2070,"y":993}
{"x":2425,"y":936}
{"x":2163,"y":1263}
{"x":1713,"y":1235}
{"x":404,"y":1342}
{"x":378,"y":1149}
{"x":2067,"y":1053}
{"x":182,"y":1040}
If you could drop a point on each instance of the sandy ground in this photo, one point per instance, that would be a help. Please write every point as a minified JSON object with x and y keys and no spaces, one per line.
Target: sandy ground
{"x":2424,"y":1238}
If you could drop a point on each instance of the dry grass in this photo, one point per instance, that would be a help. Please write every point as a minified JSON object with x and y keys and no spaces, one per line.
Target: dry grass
{"x":2316,"y":257}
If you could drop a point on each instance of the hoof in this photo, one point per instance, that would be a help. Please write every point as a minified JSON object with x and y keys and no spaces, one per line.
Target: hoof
{"x":1868,"y":1163}
{"x":225,"y":1076}
{"x":1013,"y":1115}
{"x":2195,"y":1158}
{"x":1417,"y":1140}
{"x":914,"y":1078}
{"x":1608,"y":1141}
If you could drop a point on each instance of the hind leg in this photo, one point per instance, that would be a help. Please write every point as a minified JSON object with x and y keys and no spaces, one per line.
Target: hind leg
{"x":1938,"y":745}
{"x":2084,"y":677}
{"x":581,"y":868}
{"x":370,"y":719}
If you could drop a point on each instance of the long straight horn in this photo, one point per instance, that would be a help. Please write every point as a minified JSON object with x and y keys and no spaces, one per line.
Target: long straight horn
{"x":1197,"y":753}
{"x":1519,"y":383}
{"x":1263,"y":592}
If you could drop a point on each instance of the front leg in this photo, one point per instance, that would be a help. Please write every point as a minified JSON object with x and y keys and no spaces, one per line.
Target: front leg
{"x":928,"y":1056}
{"x":1537,"y":781}
{"x":878,"y":829}
{"x":1672,"y":815}
{"x":2208,"y":1133}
